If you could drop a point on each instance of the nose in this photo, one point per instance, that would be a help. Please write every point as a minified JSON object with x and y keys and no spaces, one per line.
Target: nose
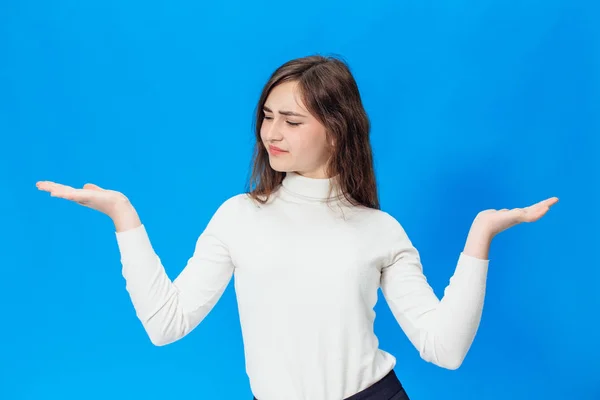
{"x":271,"y":131}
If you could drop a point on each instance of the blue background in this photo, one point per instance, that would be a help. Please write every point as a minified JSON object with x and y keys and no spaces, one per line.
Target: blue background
{"x":474,"y":105}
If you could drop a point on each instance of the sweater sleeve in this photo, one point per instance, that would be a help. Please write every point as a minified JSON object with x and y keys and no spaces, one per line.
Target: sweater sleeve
{"x":441,"y":330}
{"x":167,"y":309}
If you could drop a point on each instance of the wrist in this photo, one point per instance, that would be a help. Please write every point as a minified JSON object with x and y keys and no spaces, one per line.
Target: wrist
{"x":120,"y":206}
{"x":482,"y":228}
{"x":124,"y":215}
{"x":478,"y":241}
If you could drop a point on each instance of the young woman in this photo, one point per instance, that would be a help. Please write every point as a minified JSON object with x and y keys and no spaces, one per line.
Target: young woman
{"x":309,"y":248}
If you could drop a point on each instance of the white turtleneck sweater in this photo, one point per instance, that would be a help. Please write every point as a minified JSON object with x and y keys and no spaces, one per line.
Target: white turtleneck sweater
{"x":307,"y":274}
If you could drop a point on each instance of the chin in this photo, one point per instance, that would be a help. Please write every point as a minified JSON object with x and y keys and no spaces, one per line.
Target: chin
{"x":280,"y":168}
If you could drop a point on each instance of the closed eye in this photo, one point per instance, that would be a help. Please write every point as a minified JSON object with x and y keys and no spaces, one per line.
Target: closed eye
{"x":288,"y":122}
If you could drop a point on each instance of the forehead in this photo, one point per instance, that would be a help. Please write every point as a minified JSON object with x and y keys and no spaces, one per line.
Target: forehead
{"x":286,"y":96}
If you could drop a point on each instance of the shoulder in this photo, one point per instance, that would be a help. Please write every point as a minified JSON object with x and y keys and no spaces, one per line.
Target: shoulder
{"x":389,"y":230}
{"x":227,"y":216}
{"x":236,"y":205}
{"x":234,"y":201}
{"x":383,"y":220}
{"x":232,"y":204}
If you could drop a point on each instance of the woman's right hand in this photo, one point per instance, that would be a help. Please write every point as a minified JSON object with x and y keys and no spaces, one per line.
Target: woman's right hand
{"x":93,"y":196}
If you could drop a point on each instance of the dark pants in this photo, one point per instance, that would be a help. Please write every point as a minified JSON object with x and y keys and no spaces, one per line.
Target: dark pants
{"x":387,"y":388}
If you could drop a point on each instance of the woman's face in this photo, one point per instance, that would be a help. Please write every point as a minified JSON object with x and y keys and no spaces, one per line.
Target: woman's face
{"x":288,"y":126}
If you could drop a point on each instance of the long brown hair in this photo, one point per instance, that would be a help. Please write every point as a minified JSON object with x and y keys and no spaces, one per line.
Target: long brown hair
{"x":331,"y":95}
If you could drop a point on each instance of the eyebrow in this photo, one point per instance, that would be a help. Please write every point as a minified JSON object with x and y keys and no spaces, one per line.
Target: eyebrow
{"x":283,"y":112}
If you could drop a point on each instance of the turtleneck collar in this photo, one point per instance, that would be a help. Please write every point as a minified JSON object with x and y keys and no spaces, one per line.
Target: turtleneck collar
{"x":311,"y":189}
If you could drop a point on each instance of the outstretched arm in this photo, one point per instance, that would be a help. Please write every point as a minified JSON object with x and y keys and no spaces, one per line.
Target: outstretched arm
{"x":169,"y":310}
{"x":443,"y":330}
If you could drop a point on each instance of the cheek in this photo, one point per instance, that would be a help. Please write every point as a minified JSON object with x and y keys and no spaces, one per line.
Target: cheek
{"x":262,"y":133}
{"x":314,"y":141}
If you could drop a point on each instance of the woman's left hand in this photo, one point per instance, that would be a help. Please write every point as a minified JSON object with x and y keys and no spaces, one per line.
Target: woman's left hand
{"x":496,"y":221}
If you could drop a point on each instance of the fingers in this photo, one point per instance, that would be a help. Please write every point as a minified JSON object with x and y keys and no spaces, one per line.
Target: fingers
{"x":551,"y":201}
{"x":538,"y":210}
{"x":545,"y":203}
{"x":78,"y":195}
{"x":52,"y":186}
{"x":63,"y":193}
{"x":543,"y":206}
{"x":58,"y":190}
{"x":81,"y":196}
{"x":92,"y":186}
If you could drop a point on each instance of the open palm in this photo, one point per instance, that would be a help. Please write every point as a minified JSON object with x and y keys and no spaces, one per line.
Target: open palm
{"x":499,"y":220}
{"x":92,"y":196}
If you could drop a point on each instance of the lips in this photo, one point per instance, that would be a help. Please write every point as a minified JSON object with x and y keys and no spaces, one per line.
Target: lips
{"x":277,"y":150}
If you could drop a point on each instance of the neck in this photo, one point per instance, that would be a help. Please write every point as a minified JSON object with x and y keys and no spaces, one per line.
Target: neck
{"x":312,"y":189}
